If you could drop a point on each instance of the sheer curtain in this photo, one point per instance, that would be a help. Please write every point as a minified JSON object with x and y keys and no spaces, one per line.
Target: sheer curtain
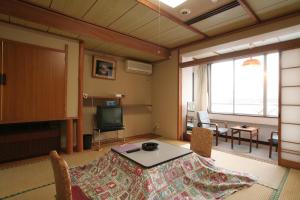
{"x":201,"y":87}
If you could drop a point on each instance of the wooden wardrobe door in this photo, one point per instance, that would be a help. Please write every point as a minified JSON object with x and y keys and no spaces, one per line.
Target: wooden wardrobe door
{"x":35,"y":85}
{"x":1,"y":86}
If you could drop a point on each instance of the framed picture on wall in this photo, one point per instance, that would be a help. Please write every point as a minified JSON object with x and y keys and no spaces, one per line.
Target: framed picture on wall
{"x":104,"y":68}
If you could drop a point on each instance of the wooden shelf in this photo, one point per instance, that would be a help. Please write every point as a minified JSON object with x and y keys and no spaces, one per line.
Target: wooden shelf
{"x":137,"y":105}
{"x":93,"y":101}
{"x":103,"y":97}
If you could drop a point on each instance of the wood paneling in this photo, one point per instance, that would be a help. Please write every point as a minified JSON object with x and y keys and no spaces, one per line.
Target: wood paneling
{"x":179,"y":99}
{"x":35,"y":86}
{"x":29,"y":24}
{"x":60,"y":21}
{"x":1,"y":86}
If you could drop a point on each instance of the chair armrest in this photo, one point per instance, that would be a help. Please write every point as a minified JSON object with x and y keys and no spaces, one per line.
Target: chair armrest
{"x":211,"y":124}
{"x":222,"y":122}
{"x":273,"y":133}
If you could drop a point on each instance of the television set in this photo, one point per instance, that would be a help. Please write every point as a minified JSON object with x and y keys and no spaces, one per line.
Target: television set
{"x":109,"y":118}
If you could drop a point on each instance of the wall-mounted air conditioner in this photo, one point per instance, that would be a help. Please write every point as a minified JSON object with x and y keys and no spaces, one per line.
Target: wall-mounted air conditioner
{"x":138,"y":67}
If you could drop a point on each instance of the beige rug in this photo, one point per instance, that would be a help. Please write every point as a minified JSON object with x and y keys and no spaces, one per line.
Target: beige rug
{"x":291,"y":188}
{"x":25,"y":177}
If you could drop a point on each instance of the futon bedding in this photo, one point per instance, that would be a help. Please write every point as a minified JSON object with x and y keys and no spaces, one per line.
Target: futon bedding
{"x":190,"y":177}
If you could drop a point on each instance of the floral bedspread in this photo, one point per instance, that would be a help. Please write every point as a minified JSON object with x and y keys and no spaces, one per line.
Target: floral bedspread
{"x":189,"y":177}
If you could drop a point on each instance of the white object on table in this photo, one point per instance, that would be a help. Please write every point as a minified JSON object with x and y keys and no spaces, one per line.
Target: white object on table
{"x":164,"y":153}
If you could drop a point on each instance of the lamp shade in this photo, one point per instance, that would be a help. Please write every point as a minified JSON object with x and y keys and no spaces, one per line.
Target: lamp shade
{"x":251,"y":62}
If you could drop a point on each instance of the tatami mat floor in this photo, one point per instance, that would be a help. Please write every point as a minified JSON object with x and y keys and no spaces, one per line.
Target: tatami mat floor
{"x":33,"y":178}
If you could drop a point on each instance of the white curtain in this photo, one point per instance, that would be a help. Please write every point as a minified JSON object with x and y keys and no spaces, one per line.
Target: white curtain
{"x":201,"y":87}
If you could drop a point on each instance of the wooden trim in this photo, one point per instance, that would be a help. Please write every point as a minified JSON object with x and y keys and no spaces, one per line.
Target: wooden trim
{"x":179,"y":113}
{"x":289,"y":164}
{"x":66,"y":77}
{"x":79,"y":124}
{"x":243,"y":29}
{"x":288,"y":86}
{"x":1,"y":72}
{"x":40,"y":120}
{"x":58,"y":20}
{"x":291,"y":44}
{"x":34,"y":45}
{"x":290,"y":142}
{"x":279,"y":108}
{"x":290,"y":123}
{"x":249,"y":10}
{"x":290,"y":104}
{"x":171,"y":17}
{"x":290,"y":151}
{"x":69,"y":136}
{"x":290,"y":67}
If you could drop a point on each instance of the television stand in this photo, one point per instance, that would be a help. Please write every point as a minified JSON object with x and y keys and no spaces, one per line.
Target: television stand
{"x":98,"y":132}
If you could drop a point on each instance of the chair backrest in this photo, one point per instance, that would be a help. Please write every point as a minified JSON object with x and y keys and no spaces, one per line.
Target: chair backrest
{"x":201,"y":141}
{"x":203,"y":118}
{"x":62,"y":177}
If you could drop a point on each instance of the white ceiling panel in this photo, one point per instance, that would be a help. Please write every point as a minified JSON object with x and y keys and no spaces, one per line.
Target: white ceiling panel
{"x":133,"y":19}
{"x":266,"y":9}
{"x":105,"y":12}
{"x":74,"y":8}
{"x":154,"y":28}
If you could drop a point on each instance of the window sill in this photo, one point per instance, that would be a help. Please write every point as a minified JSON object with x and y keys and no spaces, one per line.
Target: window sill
{"x":272,"y":121}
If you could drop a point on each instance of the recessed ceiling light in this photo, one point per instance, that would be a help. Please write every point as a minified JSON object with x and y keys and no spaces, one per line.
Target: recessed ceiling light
{"x":185,"y":11}
{"x":172,"y":3}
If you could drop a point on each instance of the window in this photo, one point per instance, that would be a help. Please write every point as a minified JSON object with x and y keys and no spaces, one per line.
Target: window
{"x":236,"y":89}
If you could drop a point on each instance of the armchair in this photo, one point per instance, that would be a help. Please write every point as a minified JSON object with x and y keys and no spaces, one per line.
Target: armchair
{"x":204,"y":122}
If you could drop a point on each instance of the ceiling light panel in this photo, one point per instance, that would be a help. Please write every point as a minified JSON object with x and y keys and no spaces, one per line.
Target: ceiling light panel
{"x":172,"y":3}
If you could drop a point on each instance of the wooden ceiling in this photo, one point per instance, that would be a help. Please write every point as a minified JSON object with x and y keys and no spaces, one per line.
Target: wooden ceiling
{"x":156,"y":27}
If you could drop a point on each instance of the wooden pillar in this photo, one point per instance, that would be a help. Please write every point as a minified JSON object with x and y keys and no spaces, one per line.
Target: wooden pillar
{"x":79,"y":124}
{"x":69,"y":136}
{"x":179,"y":110}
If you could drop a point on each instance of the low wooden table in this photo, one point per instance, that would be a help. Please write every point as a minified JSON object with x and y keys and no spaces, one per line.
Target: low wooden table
{"x":253,"y":131}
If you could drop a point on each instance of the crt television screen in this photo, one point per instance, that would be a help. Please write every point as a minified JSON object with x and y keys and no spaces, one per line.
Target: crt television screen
{"x":111,"y":116}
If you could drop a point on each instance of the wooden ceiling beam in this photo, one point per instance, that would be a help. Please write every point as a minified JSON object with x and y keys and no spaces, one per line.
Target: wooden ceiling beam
{"x":256,"y":50}
{"x":249,"y":10}
{"x":60,"y":21}
{"x":171,"y":17}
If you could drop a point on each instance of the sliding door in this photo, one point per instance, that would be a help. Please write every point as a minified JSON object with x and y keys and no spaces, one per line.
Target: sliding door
{"x":289,"y":120}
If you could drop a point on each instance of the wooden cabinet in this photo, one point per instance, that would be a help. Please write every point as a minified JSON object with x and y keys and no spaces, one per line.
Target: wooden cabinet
{"x":35,"y":86}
